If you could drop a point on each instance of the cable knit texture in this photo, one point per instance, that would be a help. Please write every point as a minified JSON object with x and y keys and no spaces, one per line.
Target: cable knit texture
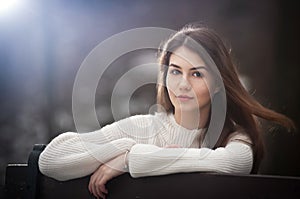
{"x":73,"y":155}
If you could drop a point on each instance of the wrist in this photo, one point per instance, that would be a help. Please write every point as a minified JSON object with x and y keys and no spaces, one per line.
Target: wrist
{"x":126,"y":168}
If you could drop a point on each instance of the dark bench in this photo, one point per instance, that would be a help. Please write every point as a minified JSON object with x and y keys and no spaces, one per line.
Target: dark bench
{"x":25,"y":181}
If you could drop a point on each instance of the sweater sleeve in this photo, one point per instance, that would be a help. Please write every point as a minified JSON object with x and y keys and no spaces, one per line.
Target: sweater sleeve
{"x":150,"y":160}
{"x":73,"y":155}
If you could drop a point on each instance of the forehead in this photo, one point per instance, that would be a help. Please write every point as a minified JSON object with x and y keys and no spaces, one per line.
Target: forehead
{"x":185,"y":57}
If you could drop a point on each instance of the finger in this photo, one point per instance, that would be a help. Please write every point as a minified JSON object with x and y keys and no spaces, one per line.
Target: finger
{"x":91,"y":184}
{"x":96,"y":187}
{"x":101,"y":195}
{"x":103,"y":189}
{"x":99,"y":191}
{"x":95,"y":179}
{"x":90,"y":187}
{"x":95,"y":191}
{"x":102,"y":185}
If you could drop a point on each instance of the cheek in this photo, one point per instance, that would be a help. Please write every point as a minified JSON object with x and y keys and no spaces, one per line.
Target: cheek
{"x":172,"y":84}
{"x":201,"y":90}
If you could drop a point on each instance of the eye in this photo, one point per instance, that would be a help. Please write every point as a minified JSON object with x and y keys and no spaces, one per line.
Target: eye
{"x":197,"y":74}
{"x":175,"y":72}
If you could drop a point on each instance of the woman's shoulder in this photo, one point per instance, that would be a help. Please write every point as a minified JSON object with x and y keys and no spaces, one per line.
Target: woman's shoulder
{"x":239,"y":135}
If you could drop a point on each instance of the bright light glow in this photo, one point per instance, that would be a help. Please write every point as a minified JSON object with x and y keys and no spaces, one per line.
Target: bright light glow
{"x":7,"y":5}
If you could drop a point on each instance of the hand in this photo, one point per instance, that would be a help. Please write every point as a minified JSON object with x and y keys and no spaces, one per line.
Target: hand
{"x":104,"y":173}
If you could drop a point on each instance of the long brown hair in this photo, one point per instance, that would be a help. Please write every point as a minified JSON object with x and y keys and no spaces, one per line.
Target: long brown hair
{"x":242,"y":109}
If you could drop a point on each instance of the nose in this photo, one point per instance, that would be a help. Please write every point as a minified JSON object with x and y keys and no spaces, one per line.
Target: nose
{"x":184,"y":84}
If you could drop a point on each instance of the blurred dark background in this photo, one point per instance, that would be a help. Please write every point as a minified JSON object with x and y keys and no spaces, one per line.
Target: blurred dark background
{"x":43,"y":43}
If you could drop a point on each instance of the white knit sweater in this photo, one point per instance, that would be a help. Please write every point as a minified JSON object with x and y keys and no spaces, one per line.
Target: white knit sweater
{"x":73,"y":155}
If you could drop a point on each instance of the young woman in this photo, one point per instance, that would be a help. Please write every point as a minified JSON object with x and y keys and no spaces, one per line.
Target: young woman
{"x":197,"y":83}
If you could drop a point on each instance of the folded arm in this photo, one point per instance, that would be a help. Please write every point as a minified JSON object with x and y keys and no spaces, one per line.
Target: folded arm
{"x":150,"y":160}
{"x":74,"y":155}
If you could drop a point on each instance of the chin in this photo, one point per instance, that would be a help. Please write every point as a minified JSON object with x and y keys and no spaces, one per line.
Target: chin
{"x":186,"y":108}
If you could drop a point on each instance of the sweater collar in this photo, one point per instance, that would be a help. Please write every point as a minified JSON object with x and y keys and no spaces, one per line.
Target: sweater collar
{"x":175,"y":124}
{"x":177,"y":134}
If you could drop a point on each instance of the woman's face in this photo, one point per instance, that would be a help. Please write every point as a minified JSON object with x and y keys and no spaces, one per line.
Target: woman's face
{"x":188,"y":81}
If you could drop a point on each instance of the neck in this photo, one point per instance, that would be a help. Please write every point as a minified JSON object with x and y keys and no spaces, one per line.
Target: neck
{"x":192,"y":119}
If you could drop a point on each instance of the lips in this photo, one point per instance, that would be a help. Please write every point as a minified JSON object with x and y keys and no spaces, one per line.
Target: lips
{"x":184,"y":97}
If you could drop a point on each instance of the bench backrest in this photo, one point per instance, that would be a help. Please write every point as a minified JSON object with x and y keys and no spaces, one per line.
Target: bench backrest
{"x":25,"y":181}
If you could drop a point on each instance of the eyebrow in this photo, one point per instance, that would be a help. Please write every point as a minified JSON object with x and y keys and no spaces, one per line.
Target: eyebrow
{"x":194,"y":68}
